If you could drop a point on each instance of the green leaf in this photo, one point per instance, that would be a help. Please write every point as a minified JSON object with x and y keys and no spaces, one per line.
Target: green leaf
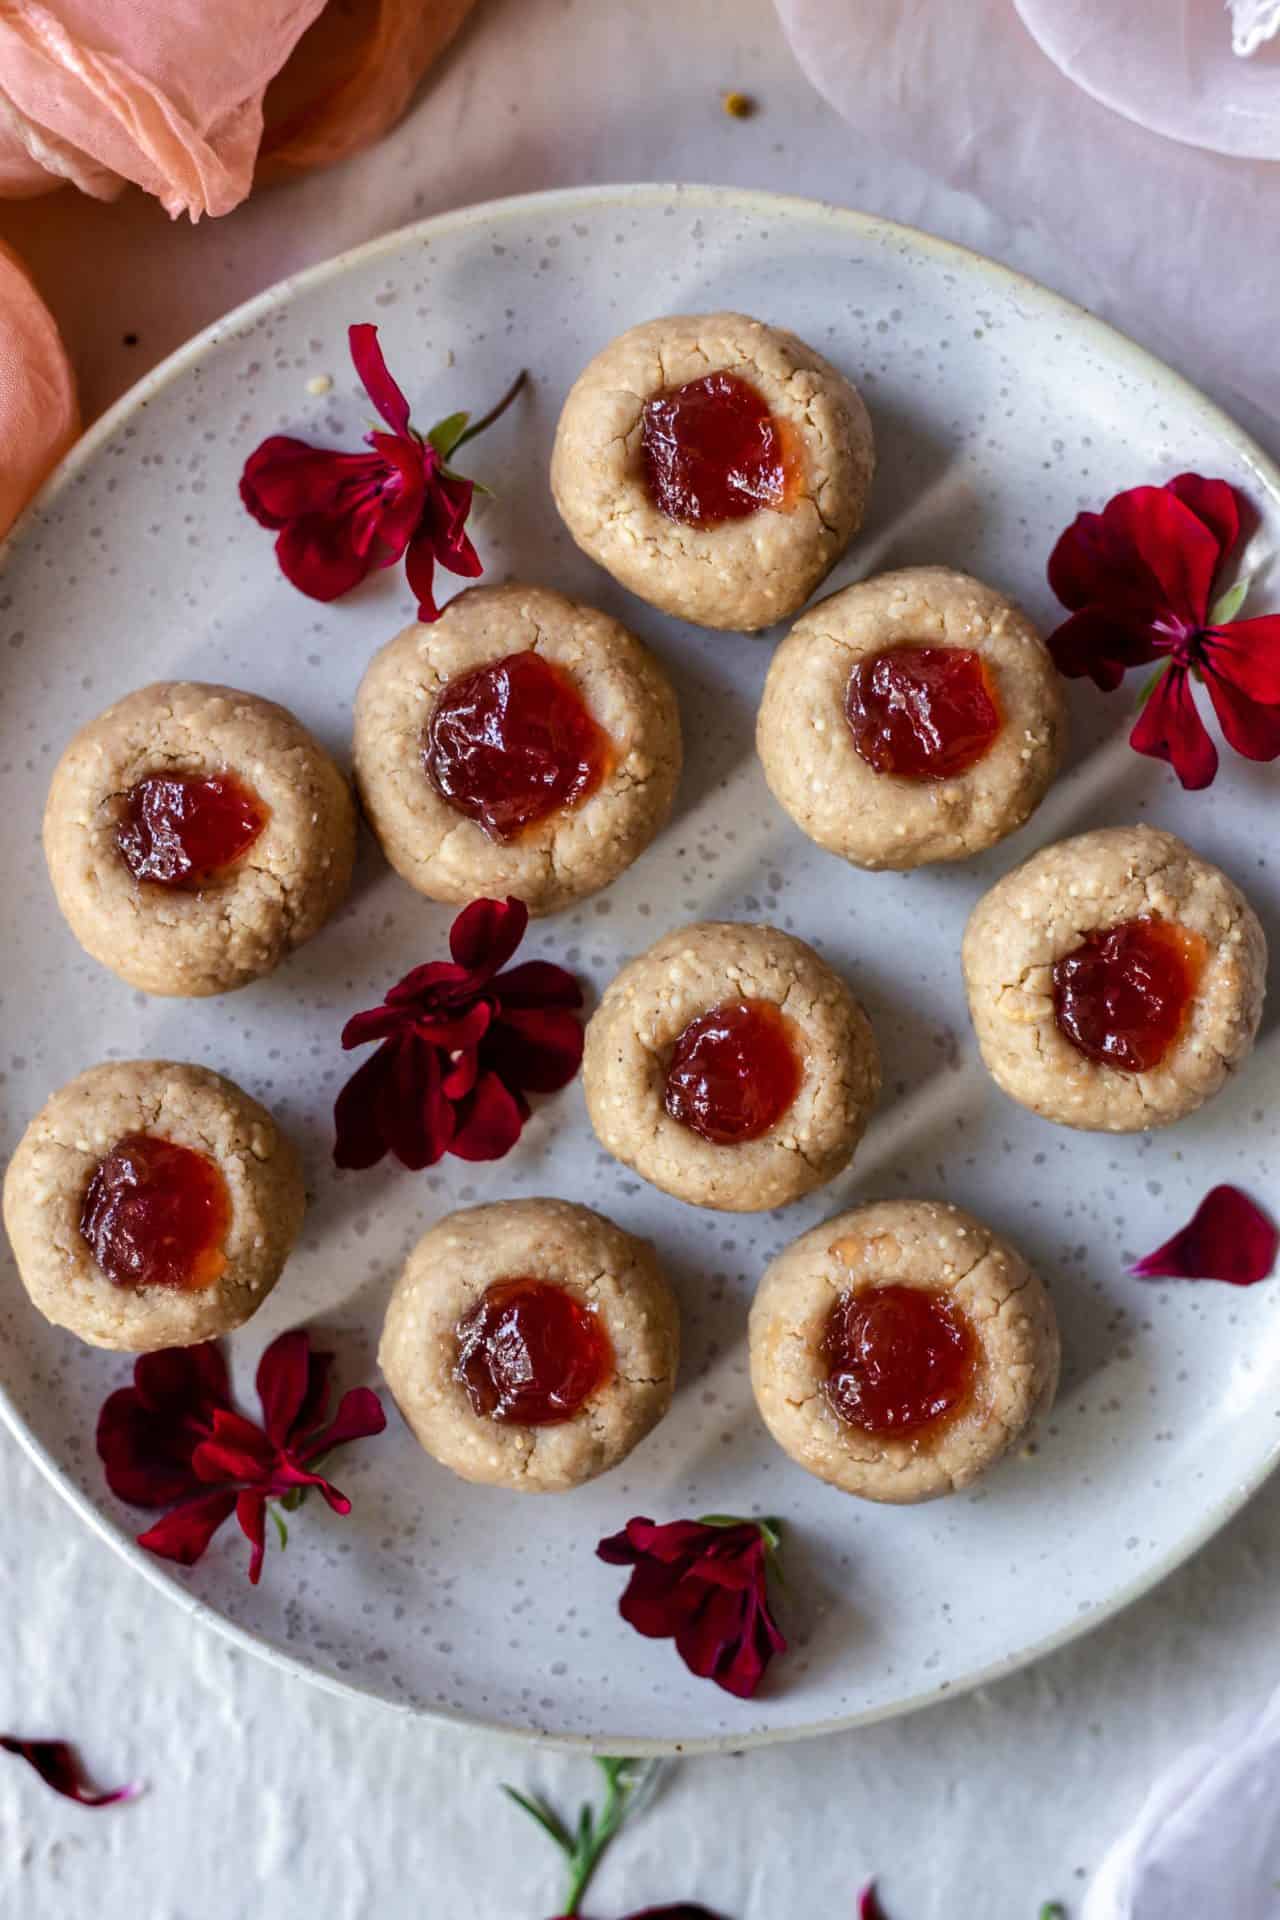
{"x":547,"y":1818}
{"x":281,"y":1528}
{"x":1150,"y":684}
{"x":1228,"y":604}
{"x":1053,"y":1910}
{"x":447,"y":433}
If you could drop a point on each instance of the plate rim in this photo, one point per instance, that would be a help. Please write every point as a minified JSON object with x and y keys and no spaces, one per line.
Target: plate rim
{"x":519,"y":207}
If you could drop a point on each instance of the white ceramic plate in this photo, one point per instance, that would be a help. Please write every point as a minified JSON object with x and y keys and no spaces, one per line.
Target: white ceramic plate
{"x":999,"y":410}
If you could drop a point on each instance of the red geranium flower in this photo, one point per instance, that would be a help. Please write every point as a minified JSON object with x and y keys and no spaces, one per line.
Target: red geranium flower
{"x":462,"y":1044}
{"x":174,"y":1436}
{"x":1227,"y":1238}
{"x":340,"y":515}
{"x":58,"y":1765}
{"x":1139,"y":580}
{"x":703,"y":1584}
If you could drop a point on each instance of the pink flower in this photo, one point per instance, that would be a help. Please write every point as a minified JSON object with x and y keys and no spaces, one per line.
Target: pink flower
{"x":1139,"y":580}
{"x":174,"y":1437}
{"x":1227,"y":1238}
{"x":340,"y":515}
{"x":703,"y":1584}
{"x":462,"y":1045}
{"x":58,"y":1765}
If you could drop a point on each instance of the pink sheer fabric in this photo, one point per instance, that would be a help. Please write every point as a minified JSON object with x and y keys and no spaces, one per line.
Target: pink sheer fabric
{"x":39,"y":417}
{"x":165,"y":93}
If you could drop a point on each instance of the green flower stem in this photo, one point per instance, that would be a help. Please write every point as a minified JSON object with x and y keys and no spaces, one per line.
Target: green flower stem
{"x":626,"y":1787}
{"x":494,"y":413}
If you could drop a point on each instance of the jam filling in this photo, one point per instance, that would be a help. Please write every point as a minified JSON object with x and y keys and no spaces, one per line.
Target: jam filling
{"x":899,"y":1360}
{"x":734,"y":1072}
{"x":157,"y":1215}
{"x":511,"y":742}
{"x":184,"y":830}
{"x":1123,"y":995}
{"x":924,"y":713}
{"x":530,"y":1354}
{"x":712,"y":451}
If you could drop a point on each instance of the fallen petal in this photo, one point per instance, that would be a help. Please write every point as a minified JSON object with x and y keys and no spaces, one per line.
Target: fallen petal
{"x":1227,"y":1238}
{"x":58,"y":1765}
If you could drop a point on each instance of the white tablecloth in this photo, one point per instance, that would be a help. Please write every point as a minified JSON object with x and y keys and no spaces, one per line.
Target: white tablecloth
{"x":269,"y":1797}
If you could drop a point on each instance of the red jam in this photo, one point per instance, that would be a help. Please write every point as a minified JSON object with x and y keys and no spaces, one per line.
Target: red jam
{"x":511,"y":742}
{"x":733,"y":1072}
{"x":530,"y":1354}
{"x":183,"y":830}
{"x":1122,"y":996}
{"x":156,"y":1215}
{"x":899,"y":1359}
{"x":712,"y":452}
{"x":924,"y":713}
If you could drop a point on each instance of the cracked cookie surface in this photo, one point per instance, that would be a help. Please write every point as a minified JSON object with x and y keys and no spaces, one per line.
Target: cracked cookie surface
{"x":876,"y":820}
{"x":62,"y":1148}
{"x":902,"y":1243}
{"x":745,"y":573}
{"x":631,"y":1037}
{"x":607,"y":1271}
{"x":569,"y":854}
{"x":243,"y":924}
{"x":1043,"y":910}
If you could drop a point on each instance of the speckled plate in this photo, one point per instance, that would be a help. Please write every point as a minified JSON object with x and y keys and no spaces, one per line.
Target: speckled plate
{"x":999,"y":410}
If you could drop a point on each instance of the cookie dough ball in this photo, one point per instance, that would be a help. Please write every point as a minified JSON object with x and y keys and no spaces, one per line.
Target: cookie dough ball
{"x":1114,"y":980}
{"x":522,"y":744}
{"x":196,"y":835}
{"x":731,"y":1067}
{"x":914,"y":717}
{"x":151,"y":1204}
{"x":715,"y":466}
{"x":900,"y":1349}
{"x":531,"y":1344}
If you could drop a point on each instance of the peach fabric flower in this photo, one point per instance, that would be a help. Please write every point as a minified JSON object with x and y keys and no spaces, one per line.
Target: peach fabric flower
{"x":352,"y":76}
{"x":39,"y":417}
{"x":169,"y":94}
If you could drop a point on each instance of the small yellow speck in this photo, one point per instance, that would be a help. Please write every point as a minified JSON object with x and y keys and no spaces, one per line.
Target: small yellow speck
{"x":738,"y":106}
{"x":320,"y":383}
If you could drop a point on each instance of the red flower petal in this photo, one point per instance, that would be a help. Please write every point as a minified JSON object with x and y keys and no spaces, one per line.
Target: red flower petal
{"x":1247,"y":653}
{"x":1252,"y":730}
{"x":366,"y":357}
{"x":417,"y":1121}
{"x":486,"y":934}
{"x":535,"y":1049}
{"x":58,"y":1765}
{"x":251,"y":1512}
{"x":284,"y":479}
{"x":1215,"y":503}
{"x":1172,"y":543}
{"x":869,"y":1907}
{"x":316,"y":556}
{"x":1093,"y":644}
{"x":283,"y":1382}
{"x":1169,"y":728}
{"x":184,"y":1534}
{"x":1227,"y":1238}
{"x":706,"y":1587}
{"x":359,"y":1417}
{"x":359,"y":1140}
{"x":420,"y":572}
{"x":236,"y":1450}
{"x":537,"y":983}
{"x":489,"y":1121}
{"x":147,"y":1433}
